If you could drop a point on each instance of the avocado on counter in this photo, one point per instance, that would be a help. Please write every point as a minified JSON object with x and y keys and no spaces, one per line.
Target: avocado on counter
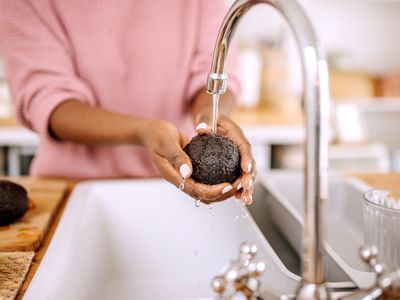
{"x":13,"y":202}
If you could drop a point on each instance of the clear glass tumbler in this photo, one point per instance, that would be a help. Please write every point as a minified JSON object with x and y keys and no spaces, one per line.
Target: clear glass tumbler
{"x":382,"y":224}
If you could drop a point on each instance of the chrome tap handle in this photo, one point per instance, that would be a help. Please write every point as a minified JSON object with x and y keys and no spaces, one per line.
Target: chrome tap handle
{"x":387,"y":284}
{"x":369,"y":254}
{"x":240,"y":276}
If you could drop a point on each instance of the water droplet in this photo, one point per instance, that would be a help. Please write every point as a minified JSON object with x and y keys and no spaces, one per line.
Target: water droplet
{"x":235,"y":218}
{"x":245,"y":215}
{"x":182,"y":185}
{"x":197,"y":203}
{"x":211,"y":206}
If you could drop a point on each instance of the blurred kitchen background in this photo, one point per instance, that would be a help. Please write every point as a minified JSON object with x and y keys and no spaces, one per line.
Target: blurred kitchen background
{"x":363,"y":50}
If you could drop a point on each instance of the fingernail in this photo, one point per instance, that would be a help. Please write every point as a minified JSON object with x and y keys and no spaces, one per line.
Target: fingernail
{"x":226,"y":189}
{"x":249,"y":167}
{"x":249,"y":200}
{"x":250,"y":183}
{"x":201,"y":126}
{"x":184,"y":169}
{"x":239,"y":186}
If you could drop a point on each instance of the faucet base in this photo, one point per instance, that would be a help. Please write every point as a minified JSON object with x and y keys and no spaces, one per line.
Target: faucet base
{"x":312,"y":291}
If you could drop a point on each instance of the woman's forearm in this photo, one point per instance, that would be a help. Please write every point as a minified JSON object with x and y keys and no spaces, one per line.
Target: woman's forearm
{"x":78,"y":122}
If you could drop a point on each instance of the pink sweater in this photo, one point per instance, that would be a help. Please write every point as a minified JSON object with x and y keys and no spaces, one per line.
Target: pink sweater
{"x":145,"y":58}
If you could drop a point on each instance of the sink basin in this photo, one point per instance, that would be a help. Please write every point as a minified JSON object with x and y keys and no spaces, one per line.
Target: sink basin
{"x":281,"y":207}
{"x":145,"y":239}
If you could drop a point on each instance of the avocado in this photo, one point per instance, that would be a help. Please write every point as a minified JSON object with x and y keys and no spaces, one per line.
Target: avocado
{"x":13,"y":202}
{"x":215,"y":159}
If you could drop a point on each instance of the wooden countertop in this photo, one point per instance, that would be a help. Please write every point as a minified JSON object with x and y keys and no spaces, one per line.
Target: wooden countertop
{"x":376,"y":180}
{"x":265,"y":116}
{"x":380,"y":180}
{"x":243,"y":116}
{"x":7,"y":122}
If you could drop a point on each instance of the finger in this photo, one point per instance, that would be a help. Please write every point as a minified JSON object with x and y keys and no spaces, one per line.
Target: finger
{"x":178,"y":159}
{"x":247,"y":181}
{"x":184,"y":141}
{"x":209,"y":193}
{"x":247,"y":197}
{"x":238,"y":195}
{"x":166,"y":170}
{"x":206,"y":193}
{"x":203,"y":127}
{"x":235,"y":133}
{"x":203,"y":121}
{"x":246,"y":157}
{"x":237,"y":185}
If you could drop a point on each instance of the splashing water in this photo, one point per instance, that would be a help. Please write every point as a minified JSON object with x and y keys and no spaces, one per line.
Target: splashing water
{"x":197,"y":203}
{"x":211,"y":206}
{"x":182,"y":185}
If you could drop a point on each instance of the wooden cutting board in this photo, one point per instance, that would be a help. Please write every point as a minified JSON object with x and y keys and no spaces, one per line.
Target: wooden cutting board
{"x":27,"y":233}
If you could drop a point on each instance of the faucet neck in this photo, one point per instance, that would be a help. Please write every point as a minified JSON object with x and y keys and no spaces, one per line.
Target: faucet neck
{"x":316,"y":97}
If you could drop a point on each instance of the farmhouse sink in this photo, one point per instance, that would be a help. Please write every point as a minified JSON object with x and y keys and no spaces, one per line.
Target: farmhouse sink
{"x":278,"y":211}
{"x":145,"y":239}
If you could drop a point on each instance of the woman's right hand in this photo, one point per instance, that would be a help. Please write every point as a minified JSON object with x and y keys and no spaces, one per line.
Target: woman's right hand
{"x":165,"y":145}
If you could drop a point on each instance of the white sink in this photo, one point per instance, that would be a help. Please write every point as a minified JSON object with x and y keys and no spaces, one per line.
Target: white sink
{"x":283,"y":205}
{"x":144,"y":239}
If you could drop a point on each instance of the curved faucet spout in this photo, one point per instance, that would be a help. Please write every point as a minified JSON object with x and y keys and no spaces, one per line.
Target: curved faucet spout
{"x":316,"y":106}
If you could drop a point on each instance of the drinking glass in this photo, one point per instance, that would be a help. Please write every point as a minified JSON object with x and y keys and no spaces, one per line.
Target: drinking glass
{"x":382,"y":224}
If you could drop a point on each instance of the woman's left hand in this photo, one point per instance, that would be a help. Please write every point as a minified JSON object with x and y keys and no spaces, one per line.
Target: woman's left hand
{"x":228,"y":128}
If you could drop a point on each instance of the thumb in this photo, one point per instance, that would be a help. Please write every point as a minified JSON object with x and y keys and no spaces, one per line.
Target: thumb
{"x":179,"y":160}
{"x":204,"y":123}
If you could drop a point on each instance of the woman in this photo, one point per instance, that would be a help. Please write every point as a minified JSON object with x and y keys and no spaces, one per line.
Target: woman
{"x":113,"y":87}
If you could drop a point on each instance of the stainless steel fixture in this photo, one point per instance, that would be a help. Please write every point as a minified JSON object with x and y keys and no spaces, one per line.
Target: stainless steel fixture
{"x":240,"y":276}
{"x":316,"y":106}
{"x":387,"y":284}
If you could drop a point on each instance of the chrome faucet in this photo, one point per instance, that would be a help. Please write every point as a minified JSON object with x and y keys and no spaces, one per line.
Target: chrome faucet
{"x":316,"y":106}
{"x":240,"y":276}
{"x":387,"y":285}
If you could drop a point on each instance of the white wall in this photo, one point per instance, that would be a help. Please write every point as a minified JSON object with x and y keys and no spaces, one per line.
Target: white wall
{"x":365,"y":31}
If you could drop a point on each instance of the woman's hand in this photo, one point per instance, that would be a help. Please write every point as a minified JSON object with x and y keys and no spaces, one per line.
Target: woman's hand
{"x":226,"y":127}
{"x":165,"y":145}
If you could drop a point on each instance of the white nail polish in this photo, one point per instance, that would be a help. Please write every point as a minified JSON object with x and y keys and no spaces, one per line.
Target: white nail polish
{"x":184,"y":169}
{"x":239,"y":186}
{"x":201,"y":126}
{"x":250,"y":183}
{"x":249,"y":167}
{"x":226,"y":189}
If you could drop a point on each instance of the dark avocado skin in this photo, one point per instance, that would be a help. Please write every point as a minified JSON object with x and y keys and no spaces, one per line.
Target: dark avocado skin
{"x":215,"y":159}
{"x":13,"y":202}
